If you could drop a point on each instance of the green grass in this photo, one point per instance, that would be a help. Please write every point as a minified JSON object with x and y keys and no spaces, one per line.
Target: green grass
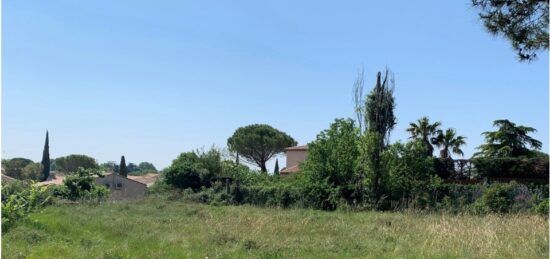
{"x":157,"y":228}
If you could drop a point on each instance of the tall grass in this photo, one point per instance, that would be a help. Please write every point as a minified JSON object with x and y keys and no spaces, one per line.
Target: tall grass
{"x":158,"y":228}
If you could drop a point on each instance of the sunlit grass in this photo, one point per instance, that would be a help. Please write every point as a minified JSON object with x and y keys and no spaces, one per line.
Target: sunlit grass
{"x":157,"y":228}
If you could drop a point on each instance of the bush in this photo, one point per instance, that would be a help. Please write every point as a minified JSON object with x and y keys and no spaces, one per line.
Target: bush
{"x":497,"y":198}
{"x":331,"y":170}
{"x":19,"y":204}
{"x":410,"y":173}
{"x":542,"y":207}
{"x":194,"y":169}
{"x":81,"y":186}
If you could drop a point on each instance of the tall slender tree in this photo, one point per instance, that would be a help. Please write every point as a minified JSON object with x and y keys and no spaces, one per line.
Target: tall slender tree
{"x":424,"y":130}
{"x":379,"y":121}
{"x":123,"y":171}
{"x":276,"y":171}
{"x":46,"y":159}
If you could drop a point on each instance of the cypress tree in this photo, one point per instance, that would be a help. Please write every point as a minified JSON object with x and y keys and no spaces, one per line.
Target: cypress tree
{"x":122,"y":170}
{"x":46,"y":159}
{"x":276,"y":171}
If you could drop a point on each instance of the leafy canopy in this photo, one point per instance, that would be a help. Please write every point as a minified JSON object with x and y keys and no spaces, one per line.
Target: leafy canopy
{"x":258,"y":143}
{"x":71,"y":163}
{"x":508,"y":141}
{"x":523,"y":22}
{"x":331,"y":165}
{"x":423,"y":130}
{"x":449,"y":142}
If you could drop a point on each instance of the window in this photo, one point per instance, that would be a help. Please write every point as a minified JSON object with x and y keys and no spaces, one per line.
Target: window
{"x":119,"y":185}
{"x":107,"y":185}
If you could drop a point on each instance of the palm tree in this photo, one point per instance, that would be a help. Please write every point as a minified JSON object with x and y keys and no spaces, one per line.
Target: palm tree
{"x":508,"y":140}
{"x":449,"y":142}
{"x":423,"y":130}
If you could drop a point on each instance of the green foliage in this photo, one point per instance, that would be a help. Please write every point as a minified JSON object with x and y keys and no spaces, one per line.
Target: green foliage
{"x":276,"y":170}
{"x":81,"y":186}
{"x":45,"y":160}
{"x":508,"y":141}
{"x":425,"y":131}
{"x":542,"y":207}
{"x":519,"y":167}
{"x":497,"y":198}
{"x":123,"y":171}
{"x":71,"y":163}
{"x":331,"y":166}
{"x":379,"y":107}
{"x":449,"y":142}
{"x":194,"y":169}
{"x":370,"y":153}
{"x":523,"y":23}
{"x":32,"y":171}
{"x":504,"y":197}
{"x":14,"y":167}
{"x":147,"y":167}
{"x":258,"y":143}
{"x":410,"y":173}
{"x":20,"y":201}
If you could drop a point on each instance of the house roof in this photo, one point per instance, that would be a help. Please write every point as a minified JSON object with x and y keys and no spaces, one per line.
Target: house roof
{"x":297,"y":148}
{"x":148,"y":179}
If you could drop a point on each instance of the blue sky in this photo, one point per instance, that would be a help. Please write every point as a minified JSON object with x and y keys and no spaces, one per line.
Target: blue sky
{"x":152,"y":79}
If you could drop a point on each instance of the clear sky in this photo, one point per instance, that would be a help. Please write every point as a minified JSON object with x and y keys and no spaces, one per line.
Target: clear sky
{"x":152,"y":79}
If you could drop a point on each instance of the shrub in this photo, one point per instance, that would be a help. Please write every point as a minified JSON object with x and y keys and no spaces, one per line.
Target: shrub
{"x":81,"y":186}
{"x":542,"y":207}
{"x":410,"y":173}
{"x":194,"y":169}
{"x":497,"y":198}
{"x":19,"y":204}
{"x":331,"y":171}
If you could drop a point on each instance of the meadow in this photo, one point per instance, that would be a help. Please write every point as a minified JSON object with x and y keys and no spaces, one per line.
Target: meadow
{"x":162,"y":228}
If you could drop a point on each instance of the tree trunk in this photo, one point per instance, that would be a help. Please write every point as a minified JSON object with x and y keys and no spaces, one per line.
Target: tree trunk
{"x":263,"y":168}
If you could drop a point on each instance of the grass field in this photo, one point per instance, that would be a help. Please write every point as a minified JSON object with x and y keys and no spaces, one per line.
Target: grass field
{"x":156,"y":228}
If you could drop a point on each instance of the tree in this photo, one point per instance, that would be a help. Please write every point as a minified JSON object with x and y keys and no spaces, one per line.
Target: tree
{"x":379,"y":107}
{"x":71,"y":163}
{"x":423,"y":130}
{"x":110,"y":166}
{"x":523,"y":22}
{"x":147,"y":167}
{"x":46,"y":160}
{"x":32,"y":171}
{"x":194,"y":169}
{"x":123,"y":171}
{"x":508,"y":141}
{"x":331,"y":166}
{"x":13,"y":167}
{"x":358,"y":99}
{"x":131,"y":168}
{"x":276,"y":170}
{"x":409,"y":171}
{"x":449,"y":142}
{"x":379,"y":120}
{"x":258,"y":143}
